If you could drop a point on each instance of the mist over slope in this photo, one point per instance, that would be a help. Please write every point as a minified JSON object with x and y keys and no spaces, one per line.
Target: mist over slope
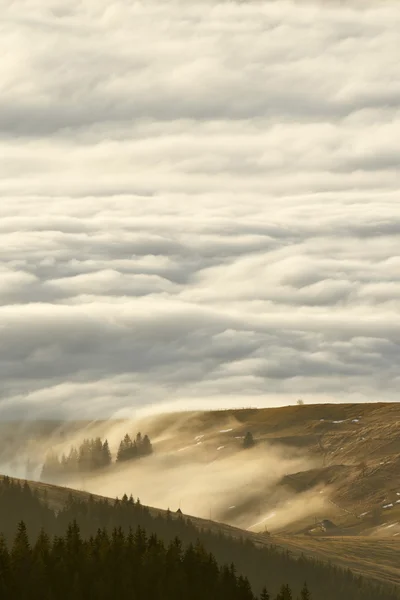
{"x":337,"y":463}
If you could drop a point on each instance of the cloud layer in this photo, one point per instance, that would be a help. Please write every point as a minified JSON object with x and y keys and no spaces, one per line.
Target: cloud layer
{"x":199,"y":205}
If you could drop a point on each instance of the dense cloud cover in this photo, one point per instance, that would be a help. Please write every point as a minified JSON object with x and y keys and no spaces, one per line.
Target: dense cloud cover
{"x":199,"y":204}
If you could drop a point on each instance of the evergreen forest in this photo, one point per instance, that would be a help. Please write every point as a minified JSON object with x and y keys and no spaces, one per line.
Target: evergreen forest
{"x":100,"y":549}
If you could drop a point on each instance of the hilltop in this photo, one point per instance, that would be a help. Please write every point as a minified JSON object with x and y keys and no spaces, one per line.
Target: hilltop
{"x":353,"y":450}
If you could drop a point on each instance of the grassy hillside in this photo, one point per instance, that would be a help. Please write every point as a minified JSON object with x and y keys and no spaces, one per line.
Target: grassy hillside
{"x":372,"y":558}
{"x":312,"y":464}
{"x":253,"y":555}
{"x":355,"y":450}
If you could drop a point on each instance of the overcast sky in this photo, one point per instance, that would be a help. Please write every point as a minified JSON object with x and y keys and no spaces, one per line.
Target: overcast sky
{"x":199,"y":204}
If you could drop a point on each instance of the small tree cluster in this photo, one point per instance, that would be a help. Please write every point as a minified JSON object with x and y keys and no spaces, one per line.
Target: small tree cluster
{"x":131,"y":449}
{"x":91,"y":455}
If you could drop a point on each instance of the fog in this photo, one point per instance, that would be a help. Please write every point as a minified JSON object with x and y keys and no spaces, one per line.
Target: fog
{"x":198,"y":465}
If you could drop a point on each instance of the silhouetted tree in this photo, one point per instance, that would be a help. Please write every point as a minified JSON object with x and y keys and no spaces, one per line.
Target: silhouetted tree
{"x":248,"y":441}
{"x":106,"y":455}
{"x":305,"y":594}
{"x":264,"y":594}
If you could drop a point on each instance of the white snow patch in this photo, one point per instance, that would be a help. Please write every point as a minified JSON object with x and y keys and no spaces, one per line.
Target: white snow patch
{"x":355,"y":420}
{"x":199,"y":437}
{"x":220,"y":447}
{"x":230,"y":508}
{"x":387,"y":505}
{"x":336,"y":422}
{"x":225,"y":430}
{"x":363,"y":514}
{"x":397,"y":502}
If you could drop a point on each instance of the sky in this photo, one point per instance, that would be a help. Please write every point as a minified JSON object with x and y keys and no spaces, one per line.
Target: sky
{"x":199,"y":205}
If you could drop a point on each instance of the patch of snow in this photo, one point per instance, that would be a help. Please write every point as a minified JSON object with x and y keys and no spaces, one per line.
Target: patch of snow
{"x":184,"y":448}
{"x":199,"y":437}
{"x":230,"y":508}
{"x":336,"y":422}
{"x":355,"y":420}
{"x":239,"y":437}
{"x":387,"y":505}
{"x":322,"y":419}
{"x":363,"y":514}
{"x":225,"y":430}
{"x":220,"y":447}
{"x":397,"y":493}
{"x":397,"y":502}
{"x":198,"y":443}
{"x":391,"y":525}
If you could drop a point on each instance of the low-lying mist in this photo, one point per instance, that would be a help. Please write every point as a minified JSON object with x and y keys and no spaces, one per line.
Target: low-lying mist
{"x":197,"y":465}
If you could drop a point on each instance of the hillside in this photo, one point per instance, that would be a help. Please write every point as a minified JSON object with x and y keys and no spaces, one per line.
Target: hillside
{"x":253,"y":555}
{"x":322,"y":479}
{"x":353,"y":450}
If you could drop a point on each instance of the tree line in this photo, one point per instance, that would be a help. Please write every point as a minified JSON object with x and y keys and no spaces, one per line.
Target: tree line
{"x":115,"y":565}
{"x":265,"y":567}
{"x":93,"y":454}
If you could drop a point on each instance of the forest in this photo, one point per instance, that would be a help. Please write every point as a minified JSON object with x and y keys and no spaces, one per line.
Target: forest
{"x":93,"y":454}
{"x":93,"y":540}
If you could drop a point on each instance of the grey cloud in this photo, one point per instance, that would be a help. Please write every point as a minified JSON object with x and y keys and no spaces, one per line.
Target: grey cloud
{"x":199,"y":205}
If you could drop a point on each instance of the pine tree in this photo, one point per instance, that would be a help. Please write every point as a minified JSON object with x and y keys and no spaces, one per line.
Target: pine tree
{"x":264,"y":594}
{"x":285,"y":593}
{"x":96,"y":454}
{"x":21,"y":561}
{"x":248,"y":441}
{"x":305,"y":594}
{"x":146,"y":447}
{"x":106,"y":454}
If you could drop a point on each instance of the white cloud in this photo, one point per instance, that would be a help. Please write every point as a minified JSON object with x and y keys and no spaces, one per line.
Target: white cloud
{"x":199,"y":204}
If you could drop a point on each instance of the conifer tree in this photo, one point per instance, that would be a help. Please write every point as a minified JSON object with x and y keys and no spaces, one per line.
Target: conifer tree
{"x":285,"y":593}
{"x":106,"y":454}
{"x":264,"y":594}
{"x":248,"y":441}
{"x":305,"y":594}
